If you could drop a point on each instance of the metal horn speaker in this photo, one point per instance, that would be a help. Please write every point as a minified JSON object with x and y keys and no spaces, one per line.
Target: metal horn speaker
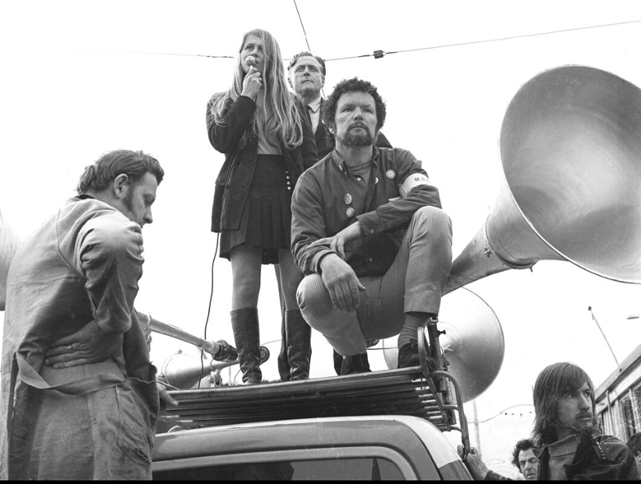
{"x":8,"y":247}
{"x":571,"y":155}
{"x":472,"y":344}
{"x":183,"y":372}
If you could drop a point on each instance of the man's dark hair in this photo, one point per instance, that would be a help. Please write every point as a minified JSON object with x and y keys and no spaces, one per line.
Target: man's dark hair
{"x":635,"y":443}
{"x":524,"y":444}
{"x":552,"y":383}
{"x":134,"y":164}
{"x":307,"y":54}
{"x":353,"y":85}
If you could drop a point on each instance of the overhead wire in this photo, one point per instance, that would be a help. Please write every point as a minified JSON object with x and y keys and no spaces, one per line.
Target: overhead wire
{"x":377,"y":54}
{"x":504,"y":412}
{"x":179,"y":54}
{"x":300,"y":19}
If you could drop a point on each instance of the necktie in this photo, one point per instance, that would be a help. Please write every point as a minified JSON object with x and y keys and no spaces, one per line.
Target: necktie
{"x":311,"y":116}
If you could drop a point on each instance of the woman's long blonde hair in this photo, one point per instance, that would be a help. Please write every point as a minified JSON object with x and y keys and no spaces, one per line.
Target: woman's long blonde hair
{"x":283,"y":122}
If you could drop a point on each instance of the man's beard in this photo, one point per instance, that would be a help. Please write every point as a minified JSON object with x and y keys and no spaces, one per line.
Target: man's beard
{"x":587,"y":427}
{"x":360,"y":139}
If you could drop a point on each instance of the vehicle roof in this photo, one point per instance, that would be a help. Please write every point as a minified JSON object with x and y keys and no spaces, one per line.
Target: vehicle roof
{"x":406,"y":434}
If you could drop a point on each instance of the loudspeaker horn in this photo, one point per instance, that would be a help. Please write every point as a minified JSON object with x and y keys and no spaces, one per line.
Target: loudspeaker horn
{"x":183,"y":372}
{"x":8,"y":247}
{"x":472,"y":342}
{"x":211,"y":347}
{"x":571,"y":155}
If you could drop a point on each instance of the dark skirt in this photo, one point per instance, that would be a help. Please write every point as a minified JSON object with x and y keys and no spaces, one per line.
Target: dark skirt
{"x":267,"y":216}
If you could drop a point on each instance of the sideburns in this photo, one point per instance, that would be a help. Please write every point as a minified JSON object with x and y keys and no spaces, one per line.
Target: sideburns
{"x":128,"y":201}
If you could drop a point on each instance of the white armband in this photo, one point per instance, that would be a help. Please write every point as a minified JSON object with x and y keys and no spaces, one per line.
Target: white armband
{"x":414,"y":180}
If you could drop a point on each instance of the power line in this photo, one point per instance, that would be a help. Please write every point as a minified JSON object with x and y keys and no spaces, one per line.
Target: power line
{"x":158,"y":53}
{"x":503,"y":412}
{"x":604,"y":337}
{"x":302,"y":26}
{"x":377,"y":54}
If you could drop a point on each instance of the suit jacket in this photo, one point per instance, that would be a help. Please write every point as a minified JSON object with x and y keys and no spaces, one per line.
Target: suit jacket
{"x":325,"y":140}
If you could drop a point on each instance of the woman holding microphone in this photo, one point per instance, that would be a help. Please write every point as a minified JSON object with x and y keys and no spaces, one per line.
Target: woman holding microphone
{"x":266,"y":136}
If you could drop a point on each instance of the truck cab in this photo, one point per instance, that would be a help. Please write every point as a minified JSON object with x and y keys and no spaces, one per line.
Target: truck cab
{"x":384,"y":425}
{"x":381,"y":447}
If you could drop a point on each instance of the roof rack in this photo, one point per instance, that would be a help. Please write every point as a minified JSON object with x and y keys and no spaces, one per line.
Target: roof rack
{"x":432,"y":395}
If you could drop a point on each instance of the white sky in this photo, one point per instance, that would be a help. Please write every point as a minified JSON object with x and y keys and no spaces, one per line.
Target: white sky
{"x":80,"y":78}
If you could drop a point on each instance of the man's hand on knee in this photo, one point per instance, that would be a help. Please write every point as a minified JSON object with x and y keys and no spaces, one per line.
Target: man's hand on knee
{"x":341,"y":283}
{"x":88,"y":345}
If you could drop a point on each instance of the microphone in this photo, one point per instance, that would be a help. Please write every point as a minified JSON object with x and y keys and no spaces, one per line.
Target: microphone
{"x":250,"y":60}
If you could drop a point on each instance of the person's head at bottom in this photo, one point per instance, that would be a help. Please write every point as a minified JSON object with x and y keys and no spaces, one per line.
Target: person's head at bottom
{"x":525,"y":460}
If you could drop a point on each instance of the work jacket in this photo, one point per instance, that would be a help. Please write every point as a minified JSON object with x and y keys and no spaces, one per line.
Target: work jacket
{"x":82,"y":265}
{"x":328,"y":199}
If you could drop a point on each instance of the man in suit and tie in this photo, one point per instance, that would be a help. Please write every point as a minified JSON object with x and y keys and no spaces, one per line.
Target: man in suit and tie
{"x":307,"y":78}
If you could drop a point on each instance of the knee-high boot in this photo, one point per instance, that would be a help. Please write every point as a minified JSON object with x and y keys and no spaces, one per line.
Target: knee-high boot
{"x":299,"y":348}
{"x":244,"y":323}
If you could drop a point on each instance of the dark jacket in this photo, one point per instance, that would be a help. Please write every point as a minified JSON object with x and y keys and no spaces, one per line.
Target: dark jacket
{"x":598,"y":457}
{"x":325,"y":142}
{"x":237,"y":172}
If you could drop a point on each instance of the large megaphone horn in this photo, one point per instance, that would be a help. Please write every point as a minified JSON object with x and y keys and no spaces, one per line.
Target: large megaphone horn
{"x":220,"y":349}
{"x":472,"y":342}
{"x":183,"y":372}
{"x":571,"y":154}
{"x":8,"y":246}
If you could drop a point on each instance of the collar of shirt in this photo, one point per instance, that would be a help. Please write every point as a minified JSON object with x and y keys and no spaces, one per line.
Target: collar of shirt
{"x":314,"y":106}
{"x":342,"y":165}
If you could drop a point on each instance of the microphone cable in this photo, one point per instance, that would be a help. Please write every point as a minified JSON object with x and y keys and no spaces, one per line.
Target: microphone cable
{"x":211,"y":298}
